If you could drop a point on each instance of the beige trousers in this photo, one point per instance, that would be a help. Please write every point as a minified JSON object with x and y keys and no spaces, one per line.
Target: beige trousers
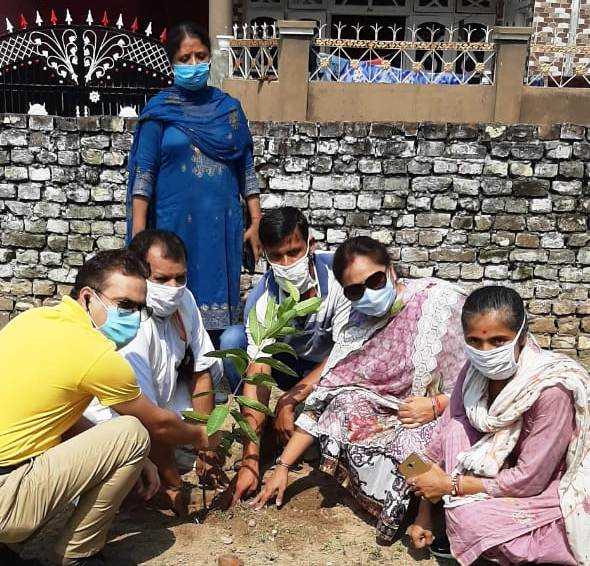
{"x":100,"y":466}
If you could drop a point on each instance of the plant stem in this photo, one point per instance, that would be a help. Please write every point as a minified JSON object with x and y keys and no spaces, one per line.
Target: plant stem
{"x":258,"y":350}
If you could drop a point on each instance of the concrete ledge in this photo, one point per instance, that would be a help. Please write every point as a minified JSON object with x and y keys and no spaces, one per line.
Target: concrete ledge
{"x":507,"y":34}
{"x":294,"y":28}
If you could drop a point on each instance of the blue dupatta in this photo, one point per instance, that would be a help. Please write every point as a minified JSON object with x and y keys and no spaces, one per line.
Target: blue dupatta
{"x":212,"y":119}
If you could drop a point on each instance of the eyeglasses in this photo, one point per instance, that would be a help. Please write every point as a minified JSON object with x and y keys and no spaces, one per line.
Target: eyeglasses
{"x":376,"y":281}
{"x":125,"y":307}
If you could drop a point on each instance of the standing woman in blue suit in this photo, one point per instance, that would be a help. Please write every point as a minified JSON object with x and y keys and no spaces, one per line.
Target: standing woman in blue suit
{"x":191,"y":167}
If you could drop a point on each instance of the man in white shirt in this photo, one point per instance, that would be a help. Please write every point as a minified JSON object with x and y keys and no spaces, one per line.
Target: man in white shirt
{"x":292,"y":256}
{"x":168,"y":353}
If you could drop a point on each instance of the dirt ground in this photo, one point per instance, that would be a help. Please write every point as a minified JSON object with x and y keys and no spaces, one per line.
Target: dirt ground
{"x":317,"y":525}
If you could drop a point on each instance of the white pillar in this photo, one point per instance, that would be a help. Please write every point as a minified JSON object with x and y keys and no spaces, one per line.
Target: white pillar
{"x":573,"y":30}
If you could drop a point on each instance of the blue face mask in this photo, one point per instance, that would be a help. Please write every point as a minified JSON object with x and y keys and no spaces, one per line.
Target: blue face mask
{"x":121,"y":326}
{"x":191,"y":77}
{"x":376,"y":302}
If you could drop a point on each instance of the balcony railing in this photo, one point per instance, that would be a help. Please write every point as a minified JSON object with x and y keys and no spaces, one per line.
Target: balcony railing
{"x":432,"y":55}
{"x":253,"y":52}
{"x":557,"y":60}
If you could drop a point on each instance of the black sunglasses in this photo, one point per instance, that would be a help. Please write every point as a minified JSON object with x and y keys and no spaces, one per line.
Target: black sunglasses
{"x":376,"y":281}
{"x":126,"y":306}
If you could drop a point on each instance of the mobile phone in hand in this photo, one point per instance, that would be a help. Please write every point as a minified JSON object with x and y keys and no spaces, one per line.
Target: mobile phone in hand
{"x":413,"y":466}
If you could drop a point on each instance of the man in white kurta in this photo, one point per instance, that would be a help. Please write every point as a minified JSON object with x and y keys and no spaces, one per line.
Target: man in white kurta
{"x":158,"y":351}
{"x":168,"y":353}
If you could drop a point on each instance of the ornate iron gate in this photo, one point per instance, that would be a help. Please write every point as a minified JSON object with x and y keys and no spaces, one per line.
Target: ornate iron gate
{"x":74,"y":69}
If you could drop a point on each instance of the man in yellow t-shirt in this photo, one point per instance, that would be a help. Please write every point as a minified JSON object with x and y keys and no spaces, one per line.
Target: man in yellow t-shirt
{"x":53,"y":361}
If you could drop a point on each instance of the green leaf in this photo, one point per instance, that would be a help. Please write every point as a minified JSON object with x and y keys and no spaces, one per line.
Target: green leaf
{"x":279,"y":324}
{"x":253,"y":404}
{"x":285,"y":306}
{"x":245,"y":426}
{"x":261,"y":379}
{"x":293,"y":291}
{"x":217,"y":418}
{"x":228,"y":353}
{"x":271,"y":310}
{"x":226,"y":443}
{"x":287,"y":331}
{"x":254,"y":327}
{"x":194,"y":416}
{"x":278,"y":365}
{"x":308,"y":306}
{"x":279,"y":348}
{"x":203,"y":393}
{"x":240,"y":364}
{"x":397,"y":307}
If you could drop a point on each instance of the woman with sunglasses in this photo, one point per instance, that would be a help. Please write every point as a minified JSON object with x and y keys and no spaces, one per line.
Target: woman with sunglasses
{"x":511,"y":456}
{"x":385,"y":384}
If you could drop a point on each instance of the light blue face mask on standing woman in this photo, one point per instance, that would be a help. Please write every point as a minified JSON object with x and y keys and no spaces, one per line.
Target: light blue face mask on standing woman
{"x":192,"y":77}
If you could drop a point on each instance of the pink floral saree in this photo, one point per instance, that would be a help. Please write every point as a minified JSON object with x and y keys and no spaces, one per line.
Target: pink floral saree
{"x":373,"y":367}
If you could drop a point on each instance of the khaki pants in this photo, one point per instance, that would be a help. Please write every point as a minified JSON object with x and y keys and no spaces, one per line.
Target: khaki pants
{"x":100,"y":466}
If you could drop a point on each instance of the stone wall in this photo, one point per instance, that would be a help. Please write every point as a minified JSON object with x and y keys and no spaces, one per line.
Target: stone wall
{"x":487,"y":204}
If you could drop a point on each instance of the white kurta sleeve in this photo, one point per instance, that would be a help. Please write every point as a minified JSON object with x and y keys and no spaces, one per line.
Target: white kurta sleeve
{"x":199,"y":339}
{"x":137,"y":353}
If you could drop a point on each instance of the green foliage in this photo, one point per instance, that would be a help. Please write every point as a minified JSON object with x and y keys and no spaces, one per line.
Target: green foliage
{"x":279,"y":348}
{"x":194,"y":416}
{"x":276,"y":364}
{"x":247,"y":402}
{"x":217,"y":418}
{"x":276,"y":324}
{"x":244,"y":426}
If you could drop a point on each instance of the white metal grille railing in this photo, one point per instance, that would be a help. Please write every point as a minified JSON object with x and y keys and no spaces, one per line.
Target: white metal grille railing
{"x":433,"y":55}
{"x":253,"y":52}
{"x":557,"y":60}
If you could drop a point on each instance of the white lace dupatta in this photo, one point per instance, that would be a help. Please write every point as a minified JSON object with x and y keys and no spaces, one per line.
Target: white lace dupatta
{"x":537,"y":370}
{"x":436,"y":313}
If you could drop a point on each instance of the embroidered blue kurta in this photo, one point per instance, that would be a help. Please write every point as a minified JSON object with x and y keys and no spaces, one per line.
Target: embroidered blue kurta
{"x":198,"y":197}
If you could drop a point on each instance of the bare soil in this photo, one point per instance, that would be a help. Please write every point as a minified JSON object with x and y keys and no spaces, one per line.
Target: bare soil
{"x":317,"y":525}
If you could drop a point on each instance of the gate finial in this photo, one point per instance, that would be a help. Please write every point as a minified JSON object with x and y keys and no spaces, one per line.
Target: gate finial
{"x":22,"y":22}
{"x":68,"y":17}
{"x":164,"y":36}
{"x":89,"y":18}
{"x":148,"y":30}
{"x":119,"y":23}
{"x":9,"y":26}
{"x":38,"y":19}
{"x":134,"y":25}
{"x":105,"y":20}
{"x":53,"y":17}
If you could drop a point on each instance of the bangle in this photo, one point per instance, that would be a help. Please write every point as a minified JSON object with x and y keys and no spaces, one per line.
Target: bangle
{"x":460,"y":491}
{"x":439,"y":406}
{"x":454,"y":479}
{"x":434,"y":412}
{"x":279,"y":462}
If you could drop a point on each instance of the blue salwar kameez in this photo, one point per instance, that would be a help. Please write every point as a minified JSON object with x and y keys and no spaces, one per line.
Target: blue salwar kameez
{"x":192,"y":159}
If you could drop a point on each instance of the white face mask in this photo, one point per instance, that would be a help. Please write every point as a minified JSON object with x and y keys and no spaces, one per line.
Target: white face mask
{"x":497,"y":364}
{"x":297,"y":274}
{"x":164,"y":299}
